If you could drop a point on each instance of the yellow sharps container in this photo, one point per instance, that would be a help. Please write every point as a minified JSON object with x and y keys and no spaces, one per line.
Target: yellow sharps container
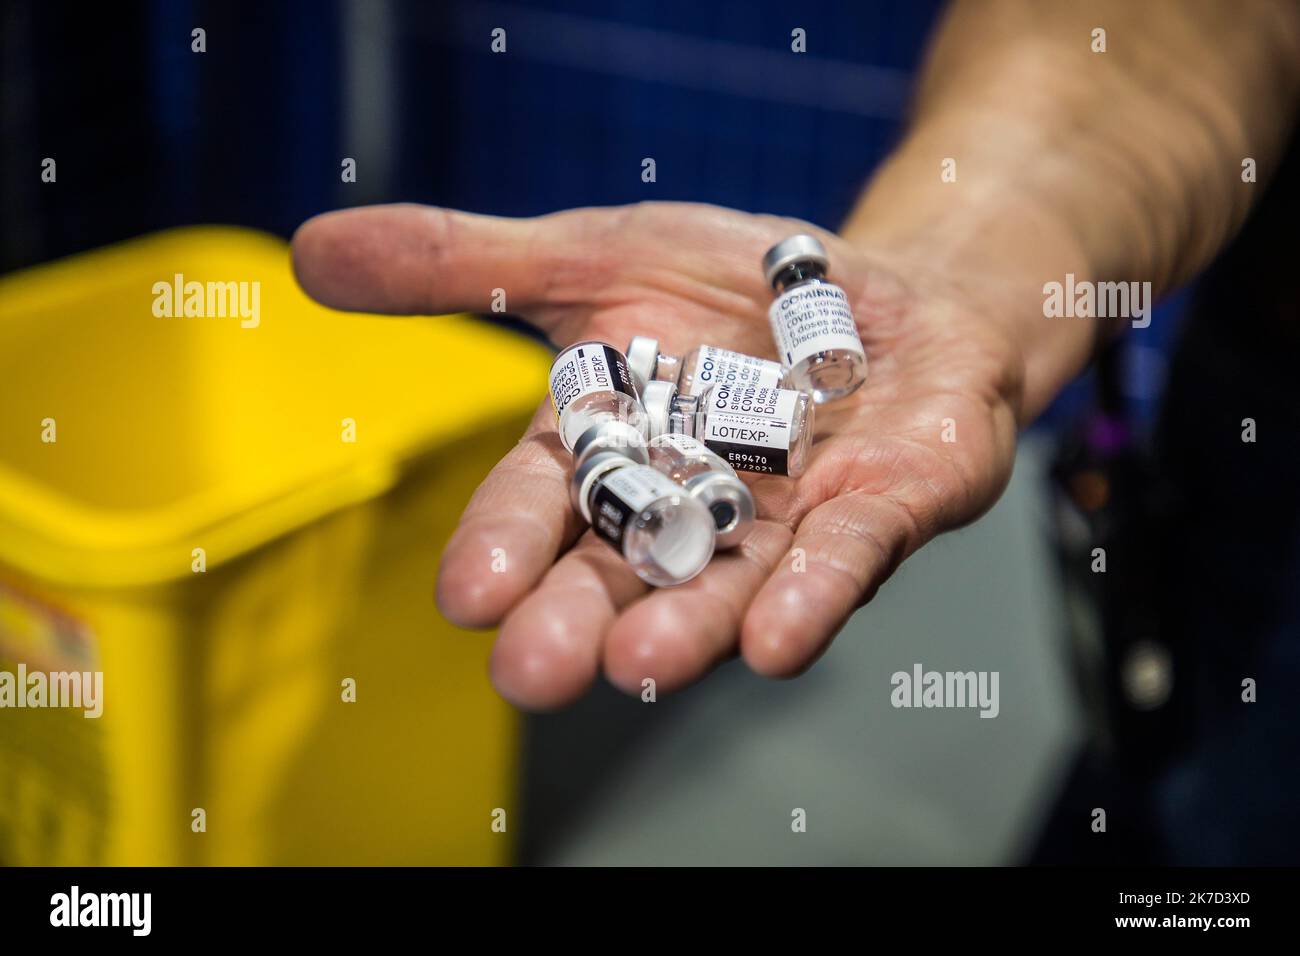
{"x":236,"y":519}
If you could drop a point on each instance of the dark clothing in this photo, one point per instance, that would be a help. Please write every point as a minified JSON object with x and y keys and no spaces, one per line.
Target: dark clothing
{"x":1234,"y":549}
{"x":1213,"y":538}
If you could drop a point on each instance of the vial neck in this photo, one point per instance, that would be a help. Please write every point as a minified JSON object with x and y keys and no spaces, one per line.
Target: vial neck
{"x":797,"y":273}
{"x":668,"y":368}
{"x":684,"y":418}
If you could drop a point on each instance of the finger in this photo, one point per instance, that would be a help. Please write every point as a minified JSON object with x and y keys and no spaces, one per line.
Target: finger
{"x":409,"y":259}
{"x":518,"y":520}
{"x":549,"y":648}
{"x":677,"y":635}
{"x":844,"y":549}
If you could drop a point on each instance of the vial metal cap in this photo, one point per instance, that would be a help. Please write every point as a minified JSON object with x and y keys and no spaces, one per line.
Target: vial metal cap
{"x":657,"y":397}
{"x":588,"y":473}
{"x":642,"y":357}
{"x":620,"y":438}
{"x":800,"y":248}
{"x":730,"y":503}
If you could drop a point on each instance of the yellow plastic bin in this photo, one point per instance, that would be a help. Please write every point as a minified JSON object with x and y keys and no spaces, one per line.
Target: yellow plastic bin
{"x":235,"y":517}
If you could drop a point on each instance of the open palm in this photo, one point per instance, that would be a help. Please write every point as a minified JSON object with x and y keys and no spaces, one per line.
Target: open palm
{"x":927,"y":444}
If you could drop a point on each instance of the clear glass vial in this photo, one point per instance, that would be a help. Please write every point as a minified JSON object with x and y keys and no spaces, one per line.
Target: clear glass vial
{"x":701,"y":368}
{"x":596,"y":402}
{"x":764,"y":430}
{"x":816,"y":335}
{"x":710,"y":481}
{"x":664,"y":534}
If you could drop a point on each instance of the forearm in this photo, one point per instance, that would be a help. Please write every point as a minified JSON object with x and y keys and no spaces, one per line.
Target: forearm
{"x":1122,"y":165}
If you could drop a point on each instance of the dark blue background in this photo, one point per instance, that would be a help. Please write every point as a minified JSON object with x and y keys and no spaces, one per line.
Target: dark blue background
{"x":148,"y":134}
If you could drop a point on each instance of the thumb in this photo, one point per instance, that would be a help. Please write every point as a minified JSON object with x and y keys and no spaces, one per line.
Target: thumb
{"x":409,"y":259}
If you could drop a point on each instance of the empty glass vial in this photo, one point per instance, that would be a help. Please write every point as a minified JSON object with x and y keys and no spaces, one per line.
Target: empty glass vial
{"x":665,"y":534}
{"x":763,"y":430}
{"x":596,"y":403}
{"x":710,"y":481}
{"x":700,"y":369}
{"x":816,"y":336}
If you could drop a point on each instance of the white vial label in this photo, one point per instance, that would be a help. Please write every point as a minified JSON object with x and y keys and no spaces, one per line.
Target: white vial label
{"x":685,"y":444}
{"x":588,"y":368}
{"x":715,"y":366}
{"x":813,"y":318}
{"x":750,"y":428}
{"x":624,"y":494}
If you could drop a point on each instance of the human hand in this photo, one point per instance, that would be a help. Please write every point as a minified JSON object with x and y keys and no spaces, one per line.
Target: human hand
{"x":925,"y":445}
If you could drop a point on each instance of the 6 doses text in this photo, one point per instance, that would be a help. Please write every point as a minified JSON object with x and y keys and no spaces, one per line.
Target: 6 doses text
{"x":1175,"y":897}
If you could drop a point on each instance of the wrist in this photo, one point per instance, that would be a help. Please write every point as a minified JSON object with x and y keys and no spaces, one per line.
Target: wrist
{"x":989,"y":246}
{"x":967,"y":203}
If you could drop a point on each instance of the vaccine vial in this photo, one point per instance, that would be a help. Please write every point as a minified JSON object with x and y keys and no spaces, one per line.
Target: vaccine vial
{"x":700,"y":369}
{"x":596,"y":402}
{"x":764,"y":430}
{"x":710,"y":481}
{"x":664,"y":534}
{"x":816,"y":336}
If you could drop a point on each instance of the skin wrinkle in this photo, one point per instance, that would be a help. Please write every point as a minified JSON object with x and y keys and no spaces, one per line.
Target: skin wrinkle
{"x":1198,"y":92}
{"x":631,"y":293}
{"x":696,"y":293}
{"x":1047,"y":147}
{"x":591,"y":564}
{"x":718,"y":652}
{"x":1150,"y":186}
{"x":855,"y":581}
{"x":925,"y":260}
{"x":575,"y":275}
{"x":595,"y":590}
{"x":541,"y":535}
{"x":944,"y":500}
{"x":316,"y":250}
{"x":517,"y":510}
{"x":750,"y":548}
{"x":544,"y":439}
{"x":1215,"y":223}
{"x":536,"y":241}
{"x":790,"y":503}
{"x":529,"y":460}
{"x":1126,"y":77}
{"x":851,"y":567}
{"x":497,"y":493}
{"x":438,"y":243}
{"x":749,"y":552}
{"x":912,"y":470}
{"x":541,"y":450}
{"x":798,"y":508}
